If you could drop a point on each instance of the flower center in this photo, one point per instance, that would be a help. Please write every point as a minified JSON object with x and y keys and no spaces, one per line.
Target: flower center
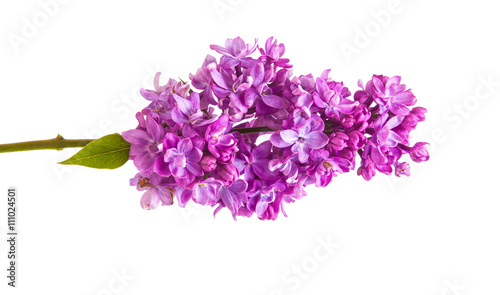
{"x":180,"y":161}
{"x":145,"y":182}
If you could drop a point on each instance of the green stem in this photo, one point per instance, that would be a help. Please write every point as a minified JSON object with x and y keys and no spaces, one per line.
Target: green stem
{"x":60,"y":143}
{"x":57,"y":143}
{"x":252,"y":130}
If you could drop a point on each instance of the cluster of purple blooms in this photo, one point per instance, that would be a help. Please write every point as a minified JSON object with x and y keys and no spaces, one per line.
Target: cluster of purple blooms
{"x":250,"y":137}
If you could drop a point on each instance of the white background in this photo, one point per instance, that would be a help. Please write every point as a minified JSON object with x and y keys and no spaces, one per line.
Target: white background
{"x":78,"y":74}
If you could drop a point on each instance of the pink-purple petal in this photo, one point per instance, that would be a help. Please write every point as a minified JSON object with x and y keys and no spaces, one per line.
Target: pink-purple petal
{"x":316,"y":139}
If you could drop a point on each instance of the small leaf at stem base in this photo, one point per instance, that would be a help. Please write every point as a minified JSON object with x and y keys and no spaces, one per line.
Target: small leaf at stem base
{"x":108,"y":152}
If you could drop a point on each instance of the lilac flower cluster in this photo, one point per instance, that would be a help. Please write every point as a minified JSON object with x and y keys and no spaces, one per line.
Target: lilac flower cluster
{"x":246,"y":135}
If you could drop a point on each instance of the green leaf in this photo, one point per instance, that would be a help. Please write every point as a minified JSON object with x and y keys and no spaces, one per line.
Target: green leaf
{"x":108,"y":152}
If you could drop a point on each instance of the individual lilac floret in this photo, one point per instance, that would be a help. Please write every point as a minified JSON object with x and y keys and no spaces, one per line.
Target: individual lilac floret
{"x":202,"y":81}
{"x":235,"y":52}
{"x":333,"y":98}
{"x":157,"y":190}
{"x":384,"y":135}
{"x":181,"y":160}
{"x":266,"y":202}
{"x":216,"y":138}
{"x":391,"y":95}
{"x":273,"y":52}
{"x":402,"y":169}
{"x":203,"y":193}
{"x":302,"y":140}
{"x":328,"y":167}
{"x":419,"y":152}
{"x":208,"y":163}
{"x":233,"y":196}
{"x":144,"y":145}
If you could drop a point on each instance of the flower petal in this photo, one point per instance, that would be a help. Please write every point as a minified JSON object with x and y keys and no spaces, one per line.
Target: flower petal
{"x":184,"y":104}
{"x":150,"y":200}
{"x":137,"y":137}
{"x":149,"y":94}
{"x":273,"y":101}
{"x":261,"y":169}
{"x":290,"y":136}
{"x":239,"y":186}
{"x":184,"y":146}
{"x":277,"y":141}
{"x":194,"y":155}
{"x":179,"y":117}
{"x":316,"y":139}
{"x":263,"y":150}
{"x":257,"y":73}
{"x":161,"y":168}
{"x":194,"y":168}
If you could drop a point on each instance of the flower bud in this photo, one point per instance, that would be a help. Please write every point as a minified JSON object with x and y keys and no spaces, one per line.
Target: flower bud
{"x":338,"y":141}
{"x":356,"y":140}
{"x":226,"y":156}
{"x":419,"y":152}
{"x":347,"y":154}
{"x":402,"y":169}
{"x":227,"y":173}
{"x":348,"y":121}
{"x":410,"y":122}
{"x":208,"y":163}
{"x":419,"y":112}
{"x":367,"y":170}
{"x":403,"y":133}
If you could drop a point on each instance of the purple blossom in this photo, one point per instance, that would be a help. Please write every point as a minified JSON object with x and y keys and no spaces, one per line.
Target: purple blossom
{"x":302,"y":141}
{"x":402,"y":169}
{"x":207,"y":140}
{"x":227,"y":173}
{"x":327,"y":167}
{"x":144,"y":144}
{"x":208,"y":163}
{"x":236,"y":51}
{"x":180,"y":160}
{"x":333,"y":99}
{"x":202,"y":81}
{"x":233,"y":196}
{"x":203,"y":193}
{"x":391,"y":95}
{"x":216,"y":138}
{"x":157,"y":190}
{"x":419,"y":152}
{"x":266,"y":202}
{"x":273,"y":52}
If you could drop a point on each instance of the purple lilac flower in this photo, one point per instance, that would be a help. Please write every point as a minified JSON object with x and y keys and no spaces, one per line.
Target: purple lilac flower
{"x":203,"y":193}
{"x":333,"y":98}
{"x":202,"y":81}
{"x":327,"y":168}
{"x":273,"y":52}
{"x":236,"y":51}
{"x":266,"y":202}
{"x":157,"y":190}
{"x":208,"y":163}
{"x":185,"y":145}
{"x":180,"y":160}
{"x":402,"y":169}
{"x":302,"y":141}
{"x":391,"y":95}
{"x":233,"y":196}
{"x":144,"y":144}
{"x":217,"y":139}
{"x":419,"y":152}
